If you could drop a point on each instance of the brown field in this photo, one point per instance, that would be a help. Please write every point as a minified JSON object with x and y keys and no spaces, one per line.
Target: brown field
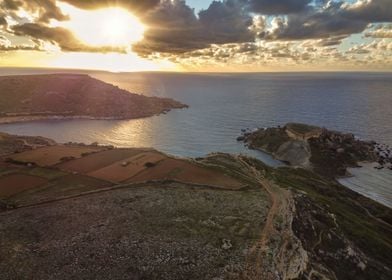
{"x":136,"y":164}
{"x":186,"y":172}
{"x":48,"y":156}
{"x":16,"y":183}
{"x":59,"y":188}
{"x":99,"y":160}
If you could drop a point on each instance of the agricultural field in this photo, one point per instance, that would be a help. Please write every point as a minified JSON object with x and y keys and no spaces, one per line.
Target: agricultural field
{"x":15,"y":183}
{"x":51,"y":155}
{"x":123,"y":170}
{"x":61,"y":171}
{"x":62,"y":187}
{"x":97,"y":161}
{"x":188,"y":172}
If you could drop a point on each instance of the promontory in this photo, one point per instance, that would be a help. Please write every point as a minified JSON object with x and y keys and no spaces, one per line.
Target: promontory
{"x":36,"y":97}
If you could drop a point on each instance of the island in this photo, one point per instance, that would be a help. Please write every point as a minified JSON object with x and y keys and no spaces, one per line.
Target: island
{"x":92,"y":211}
{"x":73,"y":96}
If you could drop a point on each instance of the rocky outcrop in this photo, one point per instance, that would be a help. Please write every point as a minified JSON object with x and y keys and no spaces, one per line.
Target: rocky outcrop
{"x":295,"y":152}
{"x":327,"y":152}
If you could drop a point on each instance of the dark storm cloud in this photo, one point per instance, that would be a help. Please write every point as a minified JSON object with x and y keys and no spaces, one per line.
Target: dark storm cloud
{"x":226,"y":22}
{"x":317,"y":23}
{"x":174,"y":27}
{"x":372,"y":11}
{"x":59,"y":36}
{"x":276,"y":7}
{"x":135,"y":6}
{"x":335,"y":19}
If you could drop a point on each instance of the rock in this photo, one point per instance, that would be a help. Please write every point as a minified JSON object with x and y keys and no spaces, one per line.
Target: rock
{"x":226,"y":244}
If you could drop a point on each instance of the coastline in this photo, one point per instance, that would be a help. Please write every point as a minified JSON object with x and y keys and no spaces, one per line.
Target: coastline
{"x":31,"y":118}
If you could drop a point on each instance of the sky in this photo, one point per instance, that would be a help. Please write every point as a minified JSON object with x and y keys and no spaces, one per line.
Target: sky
{"x":197,"y":35}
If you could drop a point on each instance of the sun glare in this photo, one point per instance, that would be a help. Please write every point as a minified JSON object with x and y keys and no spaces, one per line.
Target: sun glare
{"x":104,"y":27}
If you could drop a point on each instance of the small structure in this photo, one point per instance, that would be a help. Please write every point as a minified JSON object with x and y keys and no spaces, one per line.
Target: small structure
{"x":300,"y":131}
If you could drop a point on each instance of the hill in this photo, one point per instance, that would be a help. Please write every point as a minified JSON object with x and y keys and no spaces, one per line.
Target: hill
{"x":32,"y":97}
{"x":98,"y":212}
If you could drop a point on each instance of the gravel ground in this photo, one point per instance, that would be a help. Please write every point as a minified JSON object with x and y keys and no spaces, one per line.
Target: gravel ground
{"x":173,"y":231}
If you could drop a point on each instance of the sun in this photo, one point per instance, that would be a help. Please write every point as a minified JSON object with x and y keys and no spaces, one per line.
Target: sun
{"x":104,"y":27}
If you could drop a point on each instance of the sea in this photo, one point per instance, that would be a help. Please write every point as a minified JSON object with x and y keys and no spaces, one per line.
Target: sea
{"x":222,"y":104}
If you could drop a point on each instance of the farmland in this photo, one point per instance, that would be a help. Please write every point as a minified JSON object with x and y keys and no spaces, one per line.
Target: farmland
{"x":51,"y":155}
{"x":55,"y":171}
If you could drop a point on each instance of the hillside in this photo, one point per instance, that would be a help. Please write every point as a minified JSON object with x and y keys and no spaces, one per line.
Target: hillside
{"x":98,"y":212}
{"x":71,"y":95}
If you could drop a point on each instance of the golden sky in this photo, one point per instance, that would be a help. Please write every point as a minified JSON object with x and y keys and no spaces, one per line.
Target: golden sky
{"x":203,"y":35}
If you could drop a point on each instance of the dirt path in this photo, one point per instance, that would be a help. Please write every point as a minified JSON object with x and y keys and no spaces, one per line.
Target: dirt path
{"x":277,"y":254}
{"x":254,"y":269}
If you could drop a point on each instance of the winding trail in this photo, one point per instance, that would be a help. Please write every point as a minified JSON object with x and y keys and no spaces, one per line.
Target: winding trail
{"x":254,"y":263}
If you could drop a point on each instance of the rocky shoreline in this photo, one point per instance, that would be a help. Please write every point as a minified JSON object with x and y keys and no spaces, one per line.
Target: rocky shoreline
{"x":327,"y":152}
{"x":59,"y":117}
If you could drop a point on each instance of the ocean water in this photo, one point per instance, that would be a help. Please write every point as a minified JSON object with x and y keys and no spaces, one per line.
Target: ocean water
{"x":223,"y":104}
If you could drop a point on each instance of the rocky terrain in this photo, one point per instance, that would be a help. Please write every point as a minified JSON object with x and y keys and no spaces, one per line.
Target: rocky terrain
{"x":217,"y":217}
{"x":327,"y":152}
{"x":36,"y":97}
{"x":14,"y":144}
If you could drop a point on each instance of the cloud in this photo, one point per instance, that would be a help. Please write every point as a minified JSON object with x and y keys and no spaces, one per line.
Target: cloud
{"x":6,"y":45}
{"x":59,"y":36}
{"x":317,"y":22}
{"x":277,"y":7}
{"x":369,"y":10}
{"x":382,"y":31}
{"x":45,"y":9}
{"x":3,"y":21}
{"x":174,"y":27}
{"x":135,"y":6}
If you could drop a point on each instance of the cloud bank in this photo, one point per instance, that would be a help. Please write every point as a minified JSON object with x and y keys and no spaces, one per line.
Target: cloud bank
{"x":225,"y":31}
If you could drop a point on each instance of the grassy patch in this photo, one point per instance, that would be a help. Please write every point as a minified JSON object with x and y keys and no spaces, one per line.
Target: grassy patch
{"x":270,"y":139}
{"x":47,"y":173}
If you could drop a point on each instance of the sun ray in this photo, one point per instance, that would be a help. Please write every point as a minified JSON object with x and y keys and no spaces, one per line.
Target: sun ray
{"x":112,"y":26}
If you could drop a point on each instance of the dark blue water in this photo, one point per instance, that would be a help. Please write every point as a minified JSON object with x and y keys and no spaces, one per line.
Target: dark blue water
{"x":222,"y":104}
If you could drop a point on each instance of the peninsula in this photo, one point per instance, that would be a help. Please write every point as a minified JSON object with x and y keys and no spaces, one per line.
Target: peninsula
{"x":326,"y":152}
{"x":54,"y":96}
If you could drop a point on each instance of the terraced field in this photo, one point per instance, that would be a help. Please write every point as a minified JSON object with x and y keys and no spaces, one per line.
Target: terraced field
{"x":55,"y":172}
{"x":51,"y":155}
